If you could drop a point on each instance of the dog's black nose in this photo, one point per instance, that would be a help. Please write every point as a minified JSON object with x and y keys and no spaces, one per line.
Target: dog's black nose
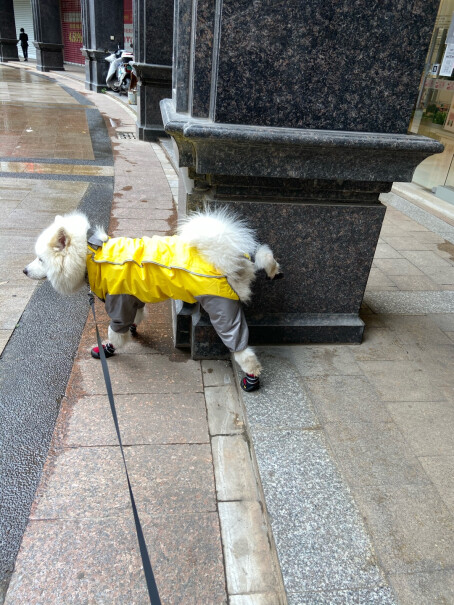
{"x":25,"y":271}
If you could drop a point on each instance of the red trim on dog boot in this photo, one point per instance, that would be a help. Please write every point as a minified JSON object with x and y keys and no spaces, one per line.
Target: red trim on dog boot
{"x":133,"y":329}
{"x":109,"y":350}
{"x":250,"y":383}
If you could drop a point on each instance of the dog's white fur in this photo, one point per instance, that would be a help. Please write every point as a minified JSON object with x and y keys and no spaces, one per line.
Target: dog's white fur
{"x":221,"y":237}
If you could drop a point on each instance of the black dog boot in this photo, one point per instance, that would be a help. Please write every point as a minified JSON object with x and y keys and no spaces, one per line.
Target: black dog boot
{"x":250,"y":383}
{"x":133,"y":329}
{"x":109,"y":350}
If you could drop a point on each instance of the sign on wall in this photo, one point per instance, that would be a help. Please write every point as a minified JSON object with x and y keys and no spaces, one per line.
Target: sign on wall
{"x":128,"y":26}
{"x":71,"y":22}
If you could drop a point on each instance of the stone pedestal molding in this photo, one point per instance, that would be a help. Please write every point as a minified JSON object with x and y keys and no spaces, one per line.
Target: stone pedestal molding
{"x":153,"y":40}
{"x":8,"y":40}
{"x":301,"y":148}
{"x":102,"y":32}
{"x":154,"y":84}
{"x":48,"y":35}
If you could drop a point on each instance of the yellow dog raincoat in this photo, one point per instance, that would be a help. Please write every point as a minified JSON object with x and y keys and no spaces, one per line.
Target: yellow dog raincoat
{"x":127,"y":273}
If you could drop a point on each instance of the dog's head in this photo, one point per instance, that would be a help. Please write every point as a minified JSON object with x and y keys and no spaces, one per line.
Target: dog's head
{"x":61,"y":251}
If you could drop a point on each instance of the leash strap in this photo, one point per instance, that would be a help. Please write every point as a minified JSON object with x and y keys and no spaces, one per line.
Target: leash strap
{"x":149,"y":576}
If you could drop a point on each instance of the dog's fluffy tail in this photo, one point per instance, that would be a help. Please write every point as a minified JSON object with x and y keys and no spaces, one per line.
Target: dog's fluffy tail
{"x":221,"y":237}
{"x":227,"y":242}
{"x":264,"y":259}
{"x":99,"y":233}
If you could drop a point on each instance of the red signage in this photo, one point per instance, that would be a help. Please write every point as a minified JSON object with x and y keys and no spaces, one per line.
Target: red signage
{"x":72,"y":31}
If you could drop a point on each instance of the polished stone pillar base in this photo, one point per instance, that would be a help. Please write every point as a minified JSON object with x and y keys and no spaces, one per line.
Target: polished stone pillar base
{"x":154,"y":84}
{"x":96,"y":68}
{"x":313,"y":197}
{"x":8,"y":50}
{"x":49,"y":56}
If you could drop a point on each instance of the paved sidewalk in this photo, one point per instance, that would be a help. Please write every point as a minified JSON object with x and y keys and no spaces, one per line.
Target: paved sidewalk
{"x":80,"y":541}
{"x":348,"y":448}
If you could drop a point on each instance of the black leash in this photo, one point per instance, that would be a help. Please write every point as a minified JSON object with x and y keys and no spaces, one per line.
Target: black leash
{"x":149,"y":576}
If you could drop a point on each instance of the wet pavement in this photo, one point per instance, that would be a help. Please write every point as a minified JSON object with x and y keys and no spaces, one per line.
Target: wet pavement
{"x":333,"y":481}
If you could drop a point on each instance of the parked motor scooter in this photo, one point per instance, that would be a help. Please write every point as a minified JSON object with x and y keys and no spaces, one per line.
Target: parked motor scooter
{"x":119,"y":74}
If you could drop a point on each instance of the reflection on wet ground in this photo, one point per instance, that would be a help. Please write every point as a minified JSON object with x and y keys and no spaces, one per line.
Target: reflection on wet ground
{"x":46,"y":153}
{"x":31,"y":129}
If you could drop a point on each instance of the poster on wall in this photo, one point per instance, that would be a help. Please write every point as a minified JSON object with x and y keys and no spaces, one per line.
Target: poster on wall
{"x":71,"y":22}
{"x":128,"y":26}
{"x":447,"y":65}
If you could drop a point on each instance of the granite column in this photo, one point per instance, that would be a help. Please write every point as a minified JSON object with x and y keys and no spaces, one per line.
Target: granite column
{"x":282,"y":113}
{"x":48,"y":35}
{"x":102,"y":31}
{"x":153,"y":39}
{"x":8,"y":39}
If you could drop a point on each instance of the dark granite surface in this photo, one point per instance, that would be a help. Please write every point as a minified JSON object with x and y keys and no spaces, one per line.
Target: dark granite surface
{"x":234,"y":149}
{"x":203,"y":58}
{"x":339,"y":65}
{"x":8,"y":39}
{"x":182,"y":54}
{"x":153,"y":31}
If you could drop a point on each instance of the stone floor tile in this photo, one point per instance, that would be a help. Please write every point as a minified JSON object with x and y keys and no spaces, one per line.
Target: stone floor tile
{"x":425,"y":259}
{"x":186,"y":553}
{"x":172,"y":479}
{"x":217,"y":373}
{"x":131,"y":374}
{"x":414,"y":282}
{"x":377,"y":280}
{"x":325,"y":360}
{"x":75,"y":562}
{"x":440,"y":275}
{"x":416,"y":330}
{"x":11,"y":310}
{"x":377,"y":596}
{"x":397,"y":266}
{"x":341,"y":398}
{"x":249,"y":566}
{"x":401,"y":381}
{"x":439,"y":469}
{"x":409,"y":242}
{"x":270,"y":598}
{"x":143,"y":419}
{"x":319,"y":535}
{"x":235,"y":479}
{"x":379,"y":343}
{"x":272,"y":406}
{"x":428,"y":426}
{"x":414,"y":303}
{"x":436,"y":588}
{"x":411,"y":527}
{"x":98,"y":561}
{"x":82,"y":482}
{"x":437,"y":361}
{"x":374,"y":454}
{"x":225,"y":415}
{"x":445,"y":321}
{"x":384,"y":250}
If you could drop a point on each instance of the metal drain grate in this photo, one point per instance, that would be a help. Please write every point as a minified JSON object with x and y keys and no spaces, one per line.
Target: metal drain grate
{"x":123,"y":134}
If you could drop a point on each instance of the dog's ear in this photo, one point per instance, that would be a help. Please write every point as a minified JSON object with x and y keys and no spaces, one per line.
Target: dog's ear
{"x":60,"y":241}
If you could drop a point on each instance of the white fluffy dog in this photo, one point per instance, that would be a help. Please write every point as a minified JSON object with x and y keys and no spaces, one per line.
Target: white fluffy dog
{"x":212,"y":260}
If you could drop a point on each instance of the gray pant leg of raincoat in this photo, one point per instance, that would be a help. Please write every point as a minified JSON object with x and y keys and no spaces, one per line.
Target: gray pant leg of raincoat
{"x":122,"y":309}
{"x":228,"y":319}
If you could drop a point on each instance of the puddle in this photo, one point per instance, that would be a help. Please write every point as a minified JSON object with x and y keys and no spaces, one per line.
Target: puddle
{"x":447,"y":247}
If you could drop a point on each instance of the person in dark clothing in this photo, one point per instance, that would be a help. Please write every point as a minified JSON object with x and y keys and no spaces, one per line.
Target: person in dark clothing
{"x":23,"y":39}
